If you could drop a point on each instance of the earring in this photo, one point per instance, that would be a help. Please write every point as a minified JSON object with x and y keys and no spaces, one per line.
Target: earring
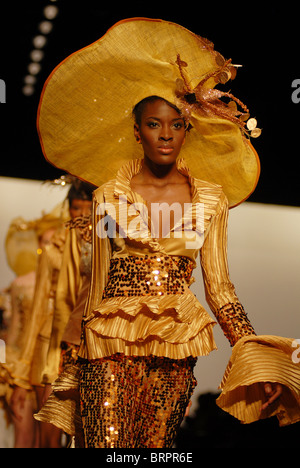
{"x":138,"y":139}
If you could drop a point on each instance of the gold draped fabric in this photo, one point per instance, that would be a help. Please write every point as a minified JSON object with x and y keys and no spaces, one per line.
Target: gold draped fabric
{"x":65,"y":299}
{"x":71,"y":294}
{"x":27,"y":371}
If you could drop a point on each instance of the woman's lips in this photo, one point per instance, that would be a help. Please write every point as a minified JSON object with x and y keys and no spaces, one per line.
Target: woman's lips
{"x":165,"y":149}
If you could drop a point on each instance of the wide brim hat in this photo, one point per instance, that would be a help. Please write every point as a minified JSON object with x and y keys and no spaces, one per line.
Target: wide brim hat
{"x":85,"y":121}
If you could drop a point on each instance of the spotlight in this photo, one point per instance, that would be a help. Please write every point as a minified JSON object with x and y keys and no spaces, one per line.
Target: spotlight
{"x":50,"y":12}
{"x":36,"y":55}
{"x":28,"y":90}
{"x":45,"y":27}
{"x":34,"y":68}
{"x":39,"y":41}
{"x":30,"y":79}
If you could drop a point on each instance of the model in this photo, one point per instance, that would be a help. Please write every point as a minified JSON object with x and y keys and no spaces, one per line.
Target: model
{"x":166,"y":180}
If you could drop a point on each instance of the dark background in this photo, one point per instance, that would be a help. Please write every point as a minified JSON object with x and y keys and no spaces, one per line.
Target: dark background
{"x":263,"y":39}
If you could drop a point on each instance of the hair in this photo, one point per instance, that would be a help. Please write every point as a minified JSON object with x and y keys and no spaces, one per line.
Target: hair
{"x":140,"y":106}
{"x":80,"y":191}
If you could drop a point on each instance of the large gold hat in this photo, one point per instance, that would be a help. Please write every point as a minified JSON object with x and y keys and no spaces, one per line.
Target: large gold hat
{"x":85,"y":114}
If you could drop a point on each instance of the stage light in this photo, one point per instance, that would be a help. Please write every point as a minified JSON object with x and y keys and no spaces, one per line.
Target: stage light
{"x":34,"y":68}
{"x":30,"y":79}
{"x":28,"y":90}
{"x":51,"y":12}
{"x":45,"y":27}
{"x":39,"y":41}
{"x":36,"y":55}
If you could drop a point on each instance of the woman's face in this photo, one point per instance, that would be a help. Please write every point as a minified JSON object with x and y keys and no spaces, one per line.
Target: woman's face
{"x":80,"y":208}
{"x":161,"y":132}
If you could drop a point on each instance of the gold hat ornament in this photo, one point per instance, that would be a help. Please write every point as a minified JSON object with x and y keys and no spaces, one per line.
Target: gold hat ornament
{"x":85,"y":119}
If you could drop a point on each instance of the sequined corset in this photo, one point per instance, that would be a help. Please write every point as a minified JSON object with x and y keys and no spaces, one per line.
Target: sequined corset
{"x":149,"y":275}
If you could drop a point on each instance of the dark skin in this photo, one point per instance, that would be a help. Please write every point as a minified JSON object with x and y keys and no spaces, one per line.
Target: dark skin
{"x":162,"y":133}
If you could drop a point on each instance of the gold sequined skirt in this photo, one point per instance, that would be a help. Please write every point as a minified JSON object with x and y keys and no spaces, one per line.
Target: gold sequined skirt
{"x":134,"y":402}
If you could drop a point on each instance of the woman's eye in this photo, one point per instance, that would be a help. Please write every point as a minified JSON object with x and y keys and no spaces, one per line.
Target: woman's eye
{"x":178,"y":125}
{"x":152,"y":124}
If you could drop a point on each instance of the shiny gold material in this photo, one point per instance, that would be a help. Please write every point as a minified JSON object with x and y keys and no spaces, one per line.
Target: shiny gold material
{"x":256,"y":132}
{"x":252,"y":124}
{"x":72,"y":290}
{"x":134,"y":402}
{"x":255,"y":360}
{"x":29,"y":368}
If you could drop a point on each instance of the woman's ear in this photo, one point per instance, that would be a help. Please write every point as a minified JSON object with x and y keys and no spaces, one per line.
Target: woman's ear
{"x":137,"y":133}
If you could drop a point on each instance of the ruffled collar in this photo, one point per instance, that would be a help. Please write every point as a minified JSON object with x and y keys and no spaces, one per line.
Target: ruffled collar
{"x":135,"y":222}
{"x":123,"y":195}
{"x":129,"y":170}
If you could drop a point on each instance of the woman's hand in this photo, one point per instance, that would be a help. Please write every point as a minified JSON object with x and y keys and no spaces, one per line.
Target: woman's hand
{"x":47,"y":393}
{"x":17,"y":403}
{"x":272,"y":392}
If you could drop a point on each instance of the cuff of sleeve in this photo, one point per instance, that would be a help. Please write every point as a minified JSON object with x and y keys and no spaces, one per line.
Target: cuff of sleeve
{"x":20,"y":374}
{"x":62,"y":407}
{"x":257,"y":359}
{"x":234,"y":322}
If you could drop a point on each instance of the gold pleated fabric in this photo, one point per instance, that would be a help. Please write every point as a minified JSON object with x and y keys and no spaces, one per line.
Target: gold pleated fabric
{"x":258,"y":359}
{"x":62,"y":407}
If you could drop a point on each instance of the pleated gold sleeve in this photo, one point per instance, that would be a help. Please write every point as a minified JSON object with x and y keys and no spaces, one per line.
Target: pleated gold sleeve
{"x":219,"y":290}
{"x":258,"y":359}
{"x":62,"y":408}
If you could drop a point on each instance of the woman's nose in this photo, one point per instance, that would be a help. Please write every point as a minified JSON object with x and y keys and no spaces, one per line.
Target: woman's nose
{"x":166,"y":134}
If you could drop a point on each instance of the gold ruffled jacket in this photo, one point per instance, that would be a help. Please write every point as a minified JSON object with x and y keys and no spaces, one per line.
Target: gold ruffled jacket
{"x":175,"y":325}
